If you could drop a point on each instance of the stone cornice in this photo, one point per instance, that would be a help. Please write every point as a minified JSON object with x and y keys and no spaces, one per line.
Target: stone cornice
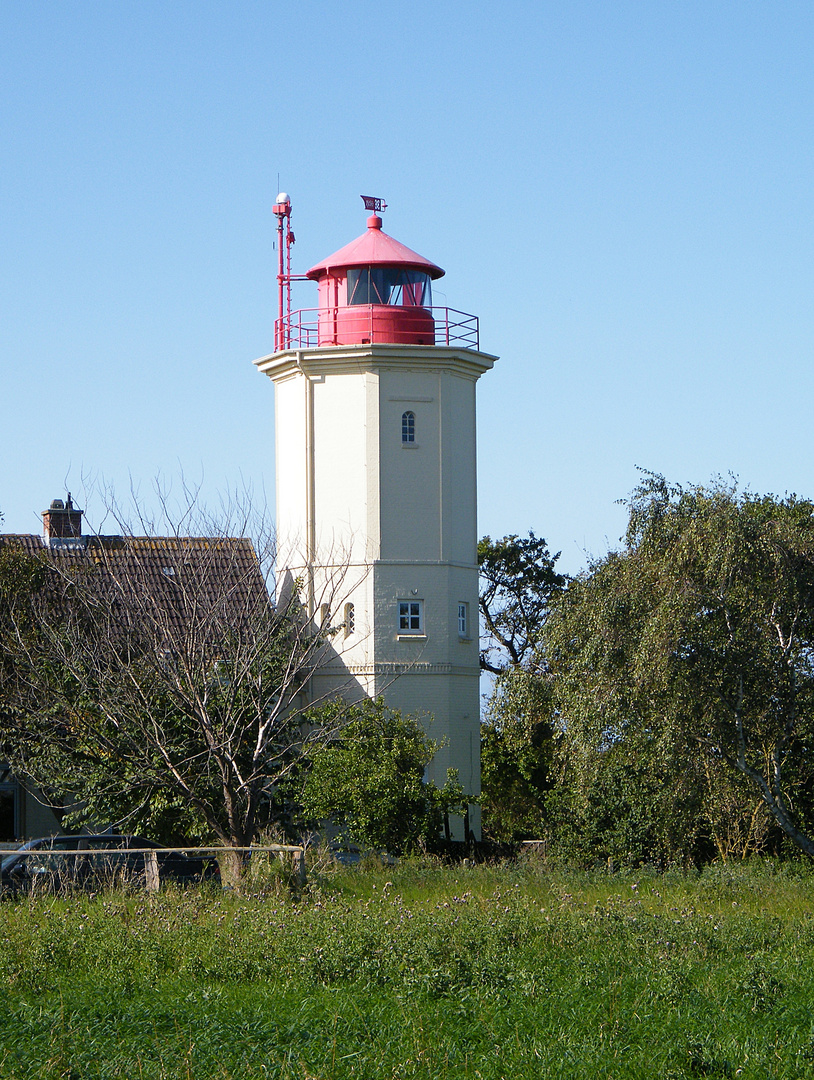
{"x":340,"y":359}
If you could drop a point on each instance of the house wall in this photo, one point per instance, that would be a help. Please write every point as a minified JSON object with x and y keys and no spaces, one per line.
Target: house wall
{"x":23,"y":813}
{"x":37,"y":819}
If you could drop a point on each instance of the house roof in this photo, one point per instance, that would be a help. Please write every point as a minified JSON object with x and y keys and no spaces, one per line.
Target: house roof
{"x":177,"y":584}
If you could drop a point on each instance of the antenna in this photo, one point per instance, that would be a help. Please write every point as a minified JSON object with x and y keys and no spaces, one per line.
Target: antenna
{"x":285,"y":239}
{"x":282,"y":327}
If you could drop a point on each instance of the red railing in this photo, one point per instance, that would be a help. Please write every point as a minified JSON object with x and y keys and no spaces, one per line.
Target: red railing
{"x":376,"y":324}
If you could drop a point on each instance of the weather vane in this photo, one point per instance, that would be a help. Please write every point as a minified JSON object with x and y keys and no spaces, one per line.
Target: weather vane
{"x":378,"y":206}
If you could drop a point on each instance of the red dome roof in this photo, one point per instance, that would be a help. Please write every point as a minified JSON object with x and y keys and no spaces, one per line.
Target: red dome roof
{"x":374,"y":248}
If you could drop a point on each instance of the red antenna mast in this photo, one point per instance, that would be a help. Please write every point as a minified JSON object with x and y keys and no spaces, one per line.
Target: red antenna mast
{"x":285,"y":238}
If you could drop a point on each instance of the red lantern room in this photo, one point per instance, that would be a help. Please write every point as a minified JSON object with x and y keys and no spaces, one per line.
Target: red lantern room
{"x":372,"y":291}
{"x":375,"y":290}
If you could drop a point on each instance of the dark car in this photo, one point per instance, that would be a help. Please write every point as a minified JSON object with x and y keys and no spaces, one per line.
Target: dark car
{"x":100,"y":860}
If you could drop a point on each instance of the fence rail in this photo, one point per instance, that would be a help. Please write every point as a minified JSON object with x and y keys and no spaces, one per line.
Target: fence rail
{"x":362,"y":324}
{"x":151,"y":866}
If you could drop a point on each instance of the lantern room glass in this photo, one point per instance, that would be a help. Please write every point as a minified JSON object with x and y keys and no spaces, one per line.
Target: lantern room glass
{"x":389,"y":285}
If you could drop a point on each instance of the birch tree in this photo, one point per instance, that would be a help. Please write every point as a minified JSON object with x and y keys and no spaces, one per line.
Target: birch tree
{"x":695,"y":644}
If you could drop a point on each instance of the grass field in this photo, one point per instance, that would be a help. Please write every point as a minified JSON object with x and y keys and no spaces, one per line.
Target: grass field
{"x":418,"y":971}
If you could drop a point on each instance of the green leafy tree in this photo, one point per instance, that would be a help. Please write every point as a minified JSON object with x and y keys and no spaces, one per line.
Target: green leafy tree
{"x":516,"y":756}
{"x":692,"y":650}
{"x":368,"y":780}
{"x":21,"y":577}
{"x":519,"y":583}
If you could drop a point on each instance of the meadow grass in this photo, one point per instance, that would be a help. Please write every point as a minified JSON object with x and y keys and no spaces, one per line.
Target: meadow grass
{"x":418,"y":970}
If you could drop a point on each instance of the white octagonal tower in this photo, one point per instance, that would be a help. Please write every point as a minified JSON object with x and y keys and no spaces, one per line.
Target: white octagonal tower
{"x":376,"y":486}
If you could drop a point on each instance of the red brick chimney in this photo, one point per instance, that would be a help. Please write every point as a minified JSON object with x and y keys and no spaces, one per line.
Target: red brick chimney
{"x":62,"y":520}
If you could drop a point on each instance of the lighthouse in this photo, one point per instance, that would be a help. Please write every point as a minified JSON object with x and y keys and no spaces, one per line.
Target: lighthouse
{"x":376,"y":497}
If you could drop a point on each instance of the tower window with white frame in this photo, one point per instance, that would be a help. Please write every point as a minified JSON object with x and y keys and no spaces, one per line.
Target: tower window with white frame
{"x":463,"y":620}
{"x":350,"y":619}
{"x":408,"y":427}
{"x":411,"y":616}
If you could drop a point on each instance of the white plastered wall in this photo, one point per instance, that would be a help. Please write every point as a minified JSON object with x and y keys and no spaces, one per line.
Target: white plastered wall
{"x":375,"y":521}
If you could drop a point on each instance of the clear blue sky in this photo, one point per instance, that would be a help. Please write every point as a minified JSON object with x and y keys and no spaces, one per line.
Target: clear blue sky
{"x":621,"y":191}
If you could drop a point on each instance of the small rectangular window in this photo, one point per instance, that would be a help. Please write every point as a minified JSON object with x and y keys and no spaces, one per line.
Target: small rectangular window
{"x":463,"y":620}
{"x":410,"y":616}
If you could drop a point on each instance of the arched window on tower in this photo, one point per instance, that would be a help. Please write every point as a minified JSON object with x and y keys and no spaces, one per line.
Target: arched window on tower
{"x":350,"y":620}
{"x":408,"y":427}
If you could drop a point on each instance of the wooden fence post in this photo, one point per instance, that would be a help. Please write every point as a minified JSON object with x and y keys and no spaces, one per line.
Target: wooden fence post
{"x":151,"y":878}
{"x":298,"y":860}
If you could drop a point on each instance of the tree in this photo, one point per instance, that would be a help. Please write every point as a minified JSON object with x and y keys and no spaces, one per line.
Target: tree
{"x":368,"y":780}
{"x":516,"y":756}
{"x":155,"y":680}
{"x":22,"y":577}
{"x":519,"y":584}
{"x":693,"y":647}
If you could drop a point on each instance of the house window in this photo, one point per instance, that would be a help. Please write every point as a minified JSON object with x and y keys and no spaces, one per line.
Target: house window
{"x":463,"y":620}
{"x":408,"y":427}
{"x":350,"y":620}
{"x":411,"y":616}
